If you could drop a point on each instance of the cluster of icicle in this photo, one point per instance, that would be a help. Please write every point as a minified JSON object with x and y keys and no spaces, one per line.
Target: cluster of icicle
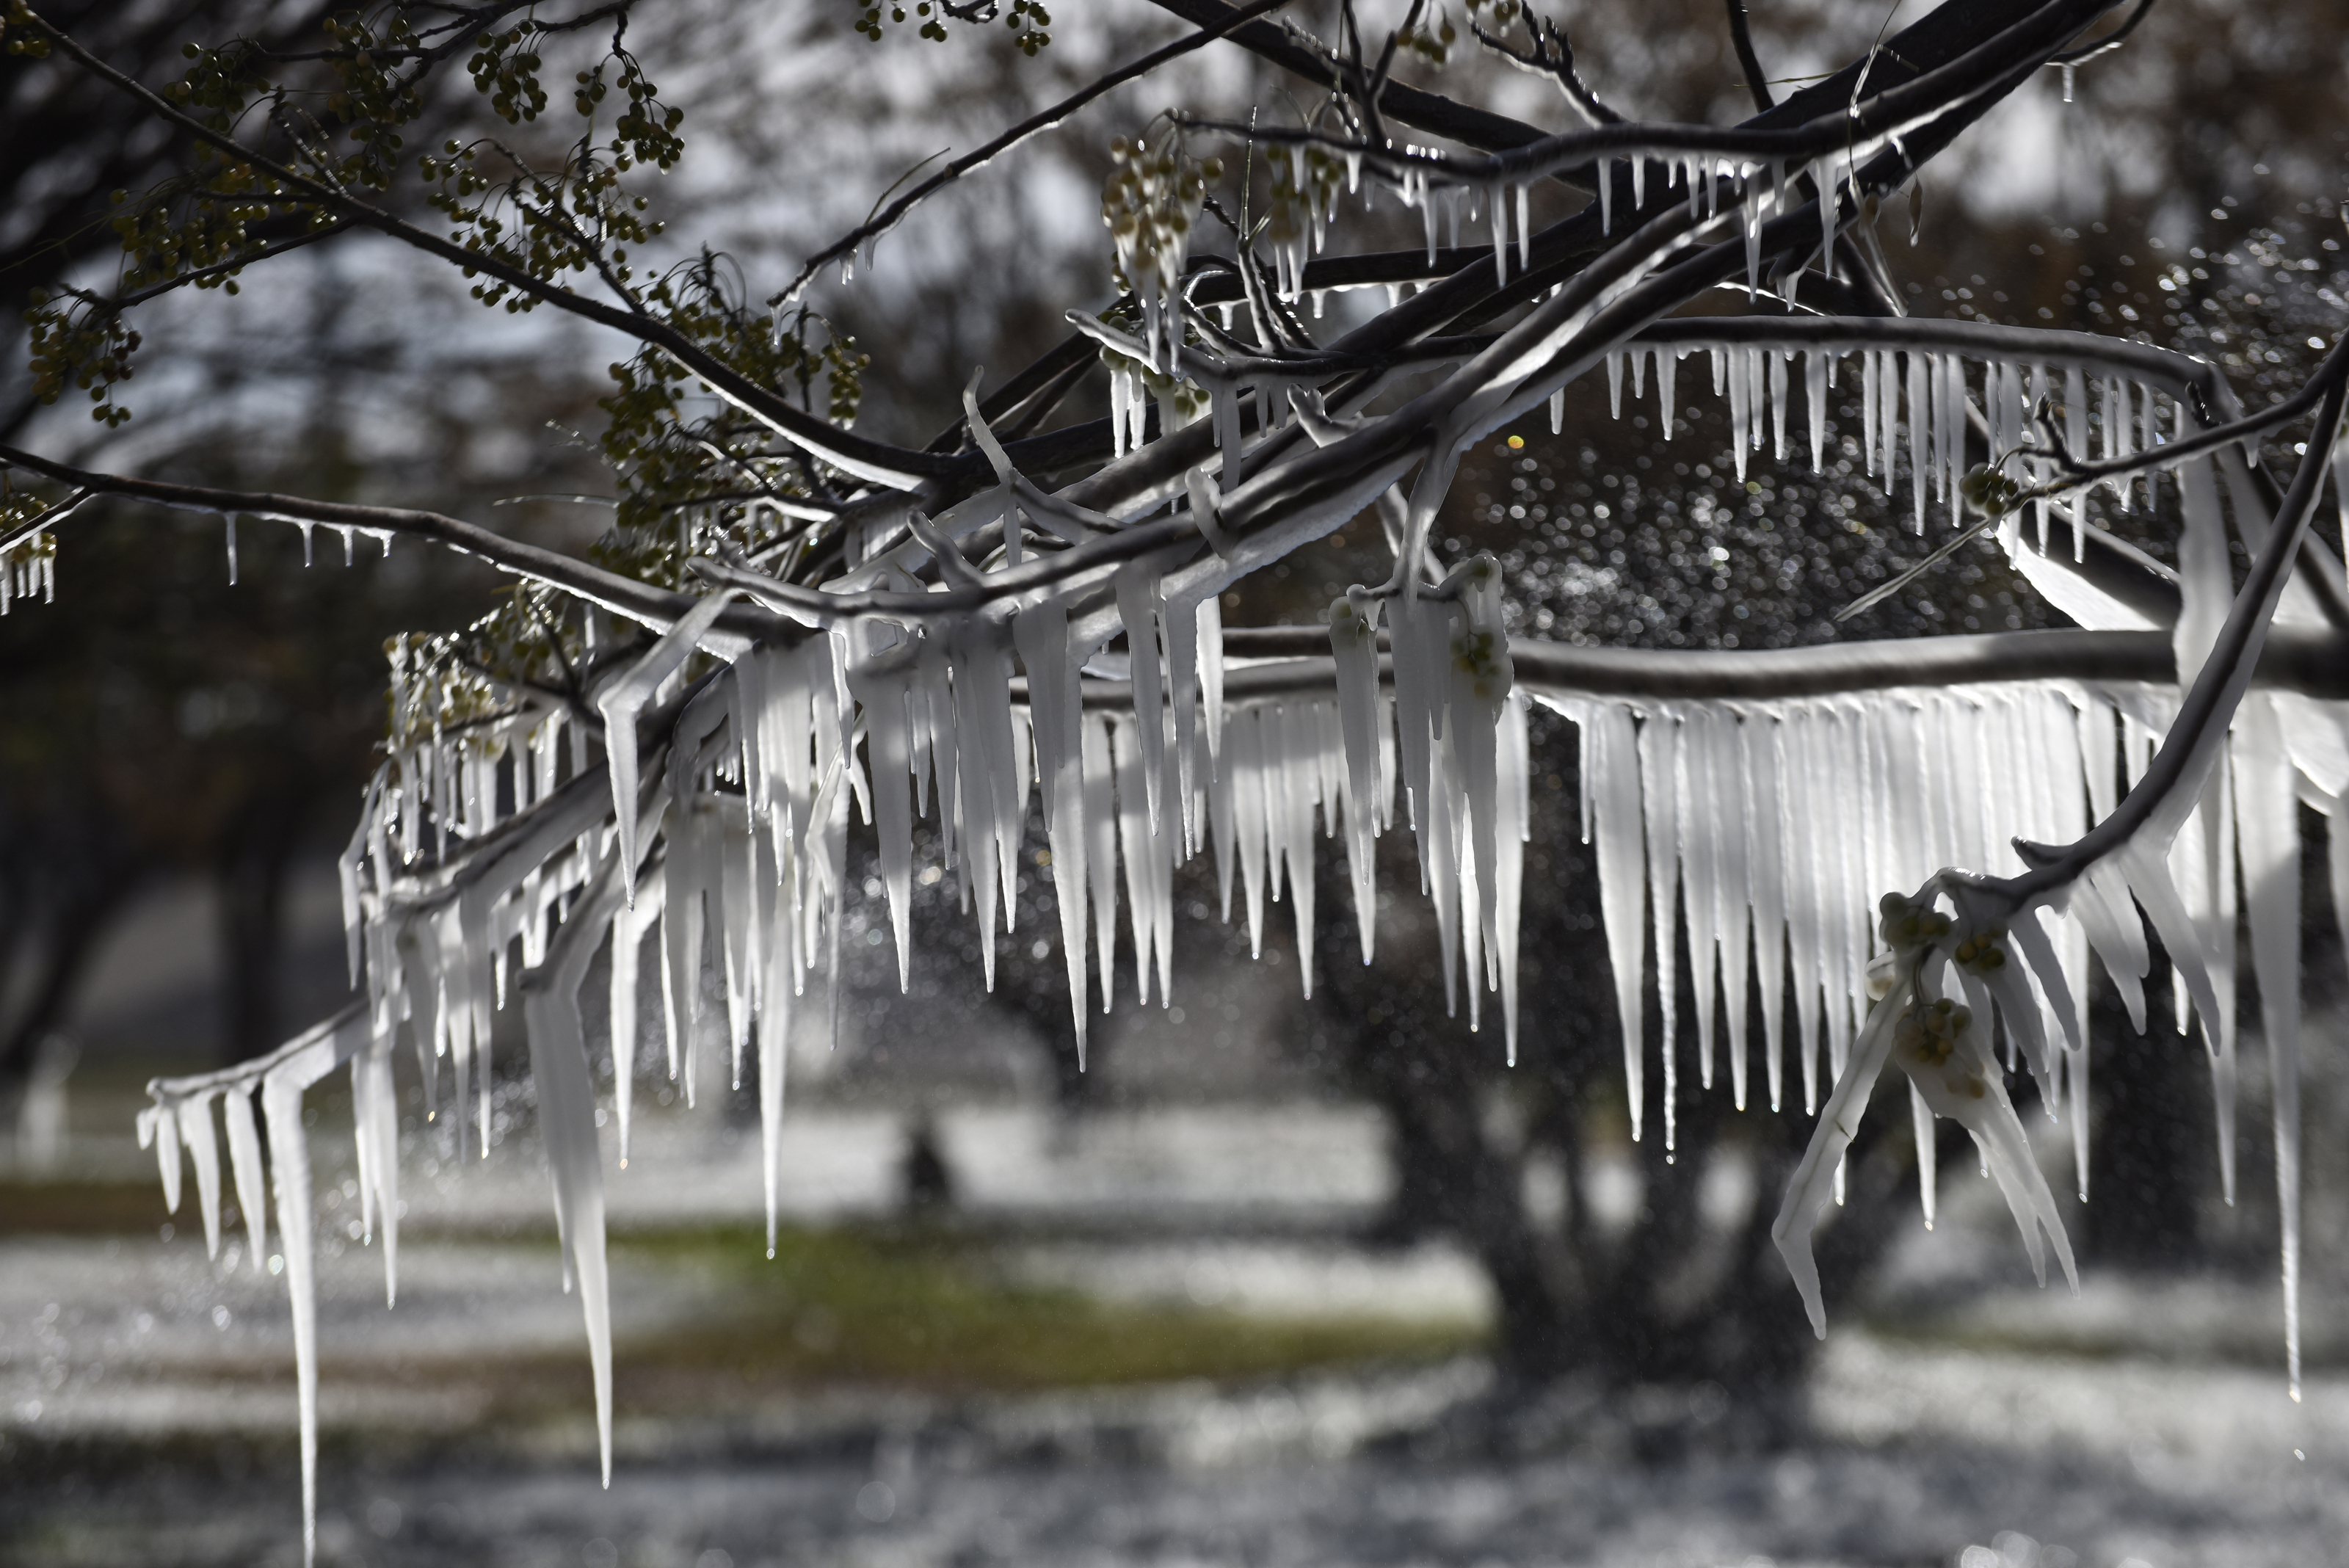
{"x":740,"y":838}
{"x":1759,"y":833}
{"x":1760,"y":191}
{"x":1916,"y":406}
{"x":1777,"y":821}
{"x":29,"y":568}
{"x":1764,"y":829}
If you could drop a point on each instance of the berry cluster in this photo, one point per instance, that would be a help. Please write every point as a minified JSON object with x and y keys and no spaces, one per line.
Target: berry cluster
{"x":1990,"y":492}
{"x":1908,"y":923}
{"x":1930,"y":1034}
{"x":1149,"y":203}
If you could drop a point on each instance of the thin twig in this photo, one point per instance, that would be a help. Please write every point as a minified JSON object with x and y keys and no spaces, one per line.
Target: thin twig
{"x":873,"y":228}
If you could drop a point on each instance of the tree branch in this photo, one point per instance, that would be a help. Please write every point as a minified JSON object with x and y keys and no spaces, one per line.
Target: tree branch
{"x":876,"y":461}
{"x":1741,"y":33}
{"x":656,"y":607}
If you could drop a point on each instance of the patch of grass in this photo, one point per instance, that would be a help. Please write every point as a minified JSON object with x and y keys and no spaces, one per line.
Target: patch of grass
{"x":916,"y":1309}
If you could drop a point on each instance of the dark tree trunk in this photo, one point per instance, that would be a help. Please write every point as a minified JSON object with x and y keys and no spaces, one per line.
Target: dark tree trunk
{"x":1673,"y":1297}
{"x":74,"y":926}
{"x":259,"y":846}
{"x":2151,"y":1150}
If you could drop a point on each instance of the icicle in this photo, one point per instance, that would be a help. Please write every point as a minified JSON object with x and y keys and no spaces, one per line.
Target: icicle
{"x":245,"y":1161}
{"x":1139,"y":609}
{"x":195,"y":1127}
{"x":1101,"y":821}
{"x":1558,"y":413}
{"x":1354,"y":638}
{"x":2116,"y":421}
{"x":1138,"y":846}
{"x":1696,"y":813}
{"x":310,"y":1058}
{"x":1741,"y":409}
{"x":627,"y":956}
{"x":1610,"y":783}
{"x":1731,"y":816}
{"x":1949,"y":438}
{"x":1055,"y":707}
{"x":375,"y":1124}
{"x":1766,"y":824}
{"x":621,"y":702}
{"x":1660,"y":792}
{"x":1750,"y":214}
{"x":232,"y":549}
{"x":884,"y":700}
{"x":2040,"y":467}
{"x":1209,"y":618}
{"x":1615,"y":386}
{"x":1606,"y":195}
{"x":1870,"y":366}
{"x":1815,"y":403}
{"x":1507,"y":875}
{"x":774,"y":1063}
{"x":1758,"y":393}
{"x":2267,"y":818}
{"x":1888,"y":414}
{"x":1920,"y":425}
{"x":2076,"y":417}
{"x":1778,"y":370}
{"x":1920,"y":1122}
{"x":1525,"y":230}
{"x":566,"y":1121}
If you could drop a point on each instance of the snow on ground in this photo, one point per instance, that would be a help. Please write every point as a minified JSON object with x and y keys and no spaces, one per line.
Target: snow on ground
{"x":146,"y":1401}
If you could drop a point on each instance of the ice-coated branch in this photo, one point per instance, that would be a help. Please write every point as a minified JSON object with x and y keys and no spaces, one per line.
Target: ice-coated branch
{"x":1850,"y":131}
{"x":2310,"y":662}
{"x":640,"y":601}
{"x":2157,"y":804}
